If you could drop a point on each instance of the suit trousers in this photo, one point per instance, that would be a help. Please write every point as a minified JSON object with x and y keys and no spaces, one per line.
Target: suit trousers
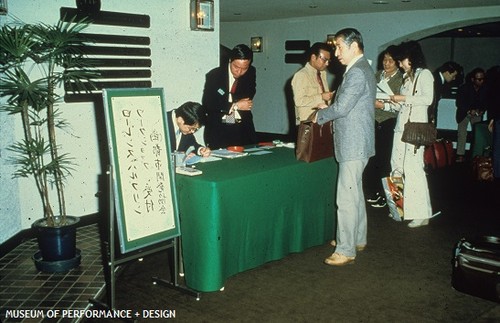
{"x":351,"y":208}
{"x":380,"y":165}
{"x":462,"y":132}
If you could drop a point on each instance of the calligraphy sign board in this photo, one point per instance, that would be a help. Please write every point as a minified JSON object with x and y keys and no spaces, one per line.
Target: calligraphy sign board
{"x":143,"y":174}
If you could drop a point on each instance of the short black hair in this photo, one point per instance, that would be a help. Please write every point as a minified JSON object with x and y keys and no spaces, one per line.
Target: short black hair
{"x":241,"y":51}
{"x":477,"y":70}
{"x":317,"y":47}
{"x":351,"y":35}
{"x":192,"y":113}
{"x":450,"y":67}
{"x":392,"y":51}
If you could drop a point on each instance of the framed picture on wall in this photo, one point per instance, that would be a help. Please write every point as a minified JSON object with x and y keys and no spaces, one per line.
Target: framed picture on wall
{"x":202,"y":15}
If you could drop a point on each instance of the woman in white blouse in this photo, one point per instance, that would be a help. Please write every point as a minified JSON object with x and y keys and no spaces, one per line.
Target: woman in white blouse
{"x":416,"y":95}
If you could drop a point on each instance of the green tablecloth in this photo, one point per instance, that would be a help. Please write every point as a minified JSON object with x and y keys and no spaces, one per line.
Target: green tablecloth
{"x":244,"y":212}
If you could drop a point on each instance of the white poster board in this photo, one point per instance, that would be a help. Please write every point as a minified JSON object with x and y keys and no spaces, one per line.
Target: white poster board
{"x":143,"y":174}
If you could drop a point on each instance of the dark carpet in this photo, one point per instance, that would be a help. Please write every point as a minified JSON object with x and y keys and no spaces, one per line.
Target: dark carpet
{"x":404,"y":275}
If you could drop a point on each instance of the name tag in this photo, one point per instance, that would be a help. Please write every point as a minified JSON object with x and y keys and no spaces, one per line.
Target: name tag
{"x":221,"y":91}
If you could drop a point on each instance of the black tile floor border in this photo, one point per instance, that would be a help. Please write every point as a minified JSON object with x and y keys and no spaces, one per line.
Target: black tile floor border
{"x":24,"y":291}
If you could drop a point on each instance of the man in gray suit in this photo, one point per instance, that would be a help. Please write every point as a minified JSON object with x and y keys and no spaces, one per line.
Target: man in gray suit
{"x":354,"y":137}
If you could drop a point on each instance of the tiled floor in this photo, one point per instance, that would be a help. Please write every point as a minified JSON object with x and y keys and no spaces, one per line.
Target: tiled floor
{"x":23,"y":287}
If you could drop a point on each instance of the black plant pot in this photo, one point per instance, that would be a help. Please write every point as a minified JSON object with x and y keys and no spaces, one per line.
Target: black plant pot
{"x":57,"y":245}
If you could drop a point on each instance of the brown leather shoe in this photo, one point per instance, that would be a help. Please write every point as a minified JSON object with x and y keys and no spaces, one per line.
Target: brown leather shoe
{"x":338,"y":259}
{"x":360,"y":247}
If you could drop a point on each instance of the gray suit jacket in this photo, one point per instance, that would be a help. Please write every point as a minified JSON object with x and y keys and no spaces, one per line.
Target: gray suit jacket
{"x":353,"y":113}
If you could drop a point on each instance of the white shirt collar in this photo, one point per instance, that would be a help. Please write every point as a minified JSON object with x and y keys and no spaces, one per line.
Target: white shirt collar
{"x":177,"y":131}
{"x":354,"y":60}
{"x":231,"y":81}
{"x":442,"y":78}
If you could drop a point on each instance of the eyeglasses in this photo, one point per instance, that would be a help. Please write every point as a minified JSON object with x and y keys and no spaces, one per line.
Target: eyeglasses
{"x":324,"y":59}
{"x":192,"y":129}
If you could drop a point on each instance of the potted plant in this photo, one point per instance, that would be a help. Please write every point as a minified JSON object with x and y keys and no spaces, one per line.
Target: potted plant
{"x":35,"y":61}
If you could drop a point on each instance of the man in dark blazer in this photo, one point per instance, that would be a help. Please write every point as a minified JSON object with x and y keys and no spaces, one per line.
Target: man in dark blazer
{"x":443,"y":76}
{"x":183,"y":122}
{"x":354,"y":136}
{"x":228,"y":98}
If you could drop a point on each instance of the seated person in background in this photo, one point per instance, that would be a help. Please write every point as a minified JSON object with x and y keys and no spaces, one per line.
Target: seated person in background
{"x":183,"y":122}
{"x":471,"y":104}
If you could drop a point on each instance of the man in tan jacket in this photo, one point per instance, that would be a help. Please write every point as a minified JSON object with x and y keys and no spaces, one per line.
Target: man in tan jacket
{"x":309,"y":84}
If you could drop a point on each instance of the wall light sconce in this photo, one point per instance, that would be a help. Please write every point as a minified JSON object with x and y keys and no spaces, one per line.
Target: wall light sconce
{"x":256,"y":44}
{"x":3,"y":7}
{"x":329,"y":40}
{"x":202,"y":15}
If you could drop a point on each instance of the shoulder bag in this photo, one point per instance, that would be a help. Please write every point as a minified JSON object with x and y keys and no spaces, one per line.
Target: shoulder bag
{"x":419,"y":133}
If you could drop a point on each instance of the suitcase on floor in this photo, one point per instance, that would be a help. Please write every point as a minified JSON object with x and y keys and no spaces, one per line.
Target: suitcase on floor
{"x":476,"y":267}
{"x":438,"y":155}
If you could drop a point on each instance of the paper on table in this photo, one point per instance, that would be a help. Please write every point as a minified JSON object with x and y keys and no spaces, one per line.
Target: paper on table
{"x":261,"y":152}
{"x":224,"y":153}
{"x":198,"y":159}
{"x":251,"y":150}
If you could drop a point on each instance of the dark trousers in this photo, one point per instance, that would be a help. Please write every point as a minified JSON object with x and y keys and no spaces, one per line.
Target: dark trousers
{"x":380,"y":165}
{"x":496,"y":148}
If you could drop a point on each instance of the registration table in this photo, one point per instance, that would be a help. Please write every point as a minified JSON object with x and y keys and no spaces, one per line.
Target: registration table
{"x":243,"y":212}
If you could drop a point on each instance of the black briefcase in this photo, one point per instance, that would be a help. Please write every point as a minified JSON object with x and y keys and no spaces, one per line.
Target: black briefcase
{"x":476,"y":267}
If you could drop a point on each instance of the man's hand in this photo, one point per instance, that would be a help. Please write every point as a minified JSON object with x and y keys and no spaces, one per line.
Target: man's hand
{"x":205,"y":151}
{"x":245,"y":104}
{"x":327,"y":96}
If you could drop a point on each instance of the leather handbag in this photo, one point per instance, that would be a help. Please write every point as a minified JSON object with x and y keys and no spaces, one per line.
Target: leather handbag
{"x":314,"y":141}
{"x":483,"y":168}
{"x":419,"y":133}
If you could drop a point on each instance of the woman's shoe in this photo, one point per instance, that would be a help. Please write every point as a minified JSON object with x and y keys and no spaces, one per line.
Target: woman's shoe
{"x":418,"y":223}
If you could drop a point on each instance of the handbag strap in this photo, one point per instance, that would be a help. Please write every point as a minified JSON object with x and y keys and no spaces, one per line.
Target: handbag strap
{"x":313,"y":114}
{"x":414,"y":90}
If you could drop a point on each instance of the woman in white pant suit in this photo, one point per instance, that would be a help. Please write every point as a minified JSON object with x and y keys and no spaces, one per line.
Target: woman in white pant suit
{"x":416,"y":95}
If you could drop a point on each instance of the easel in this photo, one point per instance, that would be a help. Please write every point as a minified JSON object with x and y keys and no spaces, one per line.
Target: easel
{"x":113,"y":262}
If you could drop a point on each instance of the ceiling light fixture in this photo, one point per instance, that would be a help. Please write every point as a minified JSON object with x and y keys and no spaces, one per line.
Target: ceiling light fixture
{"x":380,"y":2}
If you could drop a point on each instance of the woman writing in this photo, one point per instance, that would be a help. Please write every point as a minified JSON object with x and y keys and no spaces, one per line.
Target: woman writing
{"x":416,"y":95}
